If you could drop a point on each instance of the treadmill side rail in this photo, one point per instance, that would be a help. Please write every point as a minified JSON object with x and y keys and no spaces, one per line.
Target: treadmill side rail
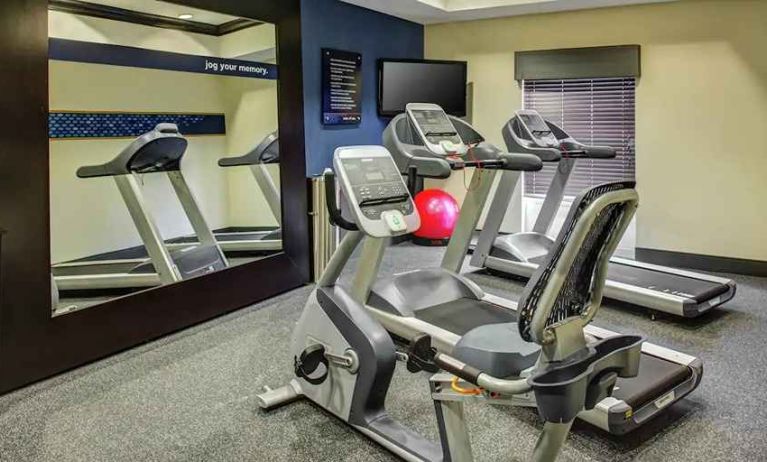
{"x":640,"y":296}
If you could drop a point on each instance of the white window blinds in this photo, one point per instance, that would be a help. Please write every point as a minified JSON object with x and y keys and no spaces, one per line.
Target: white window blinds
{"x":593,"y":111}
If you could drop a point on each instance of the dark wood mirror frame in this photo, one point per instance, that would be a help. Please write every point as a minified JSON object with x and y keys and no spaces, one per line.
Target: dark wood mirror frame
{"x":33,"y":345}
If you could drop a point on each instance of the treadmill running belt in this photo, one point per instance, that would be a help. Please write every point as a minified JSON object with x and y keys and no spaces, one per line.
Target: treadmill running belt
{"x":656,"y":377}
{"x":464,"y":314}
{"x":268,"y":236}
{"x":696,"y":289}
{"x":231,"y":237}
{"x":673,"y":284}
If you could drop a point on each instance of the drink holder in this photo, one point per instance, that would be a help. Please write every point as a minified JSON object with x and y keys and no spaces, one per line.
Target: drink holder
{"x":564,"y":389}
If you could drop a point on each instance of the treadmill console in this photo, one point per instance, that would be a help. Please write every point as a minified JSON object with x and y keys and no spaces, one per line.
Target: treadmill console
{"x":377,"y":195}
{"x":435,"y":129}
{"x":537,"y":129}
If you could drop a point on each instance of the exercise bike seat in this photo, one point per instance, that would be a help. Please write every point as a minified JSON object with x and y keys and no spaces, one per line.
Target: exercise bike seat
{"x":497,"y":349}
{"x":489,"y":336}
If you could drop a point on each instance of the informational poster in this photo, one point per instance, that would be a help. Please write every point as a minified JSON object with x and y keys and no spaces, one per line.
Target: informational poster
{"x":341,"y":87}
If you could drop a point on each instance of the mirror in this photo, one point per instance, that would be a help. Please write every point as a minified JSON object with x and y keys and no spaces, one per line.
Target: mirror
{"x":164,"y":154}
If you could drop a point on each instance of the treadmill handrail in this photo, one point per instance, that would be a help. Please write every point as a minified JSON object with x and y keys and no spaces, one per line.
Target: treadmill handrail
{"x":165,"y":140}
{"x":251,"y":158}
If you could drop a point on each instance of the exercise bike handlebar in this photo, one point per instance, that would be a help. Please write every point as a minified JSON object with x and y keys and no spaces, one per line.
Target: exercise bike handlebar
{"x":330,"y":199}
{"x":477,"y":377}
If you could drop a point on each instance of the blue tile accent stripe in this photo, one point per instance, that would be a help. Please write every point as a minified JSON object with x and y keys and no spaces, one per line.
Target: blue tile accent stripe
{"x":62,"y":125}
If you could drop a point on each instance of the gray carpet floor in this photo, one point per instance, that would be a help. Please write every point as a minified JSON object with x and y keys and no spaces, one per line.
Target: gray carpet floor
{"x":190,"y":396}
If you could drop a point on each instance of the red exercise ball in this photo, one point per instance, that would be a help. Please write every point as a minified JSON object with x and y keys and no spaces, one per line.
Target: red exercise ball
{"x":439,"y":215}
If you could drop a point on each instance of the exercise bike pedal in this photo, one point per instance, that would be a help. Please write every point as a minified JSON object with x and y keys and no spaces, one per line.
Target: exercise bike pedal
{"x":309,"y":361}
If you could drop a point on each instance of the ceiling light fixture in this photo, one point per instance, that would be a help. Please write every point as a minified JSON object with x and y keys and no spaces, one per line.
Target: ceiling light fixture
{"x":185,"y":16}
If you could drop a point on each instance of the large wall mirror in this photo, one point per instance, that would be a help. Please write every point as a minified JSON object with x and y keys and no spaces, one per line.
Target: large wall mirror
{"x":163,"y":176}
{"x":164,"y":146}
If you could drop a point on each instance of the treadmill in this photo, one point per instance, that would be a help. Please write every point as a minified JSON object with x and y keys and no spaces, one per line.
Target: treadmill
{"x":435,"y":145}
{"x":675,"y":291}
{"x":158,"y":151}
{"x":265,"y":153}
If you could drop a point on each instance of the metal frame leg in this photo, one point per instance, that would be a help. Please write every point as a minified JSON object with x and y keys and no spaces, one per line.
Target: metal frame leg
{"x":193,"y":213}
{"x":339,"y":259}
{"x":453,"y":431}
{"x":551,"y":441}
{"x":554,"y":196}
{"x":495,"y":215}
{"x":268,"y":189}
{"x":147,"y":229}
{"x":367,"y":268}
{"x":471,"y":210}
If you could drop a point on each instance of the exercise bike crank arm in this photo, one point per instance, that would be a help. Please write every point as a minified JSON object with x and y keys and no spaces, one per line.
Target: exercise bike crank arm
{"x":479,"y":378}
{"x":339,"y":360}
{"x":349,"y":360}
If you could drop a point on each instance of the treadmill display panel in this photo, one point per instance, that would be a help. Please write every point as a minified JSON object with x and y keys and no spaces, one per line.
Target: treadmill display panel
{"x":436,"y":127}
{"x":535,"y":123}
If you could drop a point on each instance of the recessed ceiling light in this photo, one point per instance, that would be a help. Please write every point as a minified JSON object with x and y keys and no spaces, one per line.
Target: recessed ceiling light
{"x":185,"y":16}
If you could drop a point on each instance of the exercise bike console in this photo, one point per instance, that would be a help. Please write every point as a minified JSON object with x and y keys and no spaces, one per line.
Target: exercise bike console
{"x":379,"y":199}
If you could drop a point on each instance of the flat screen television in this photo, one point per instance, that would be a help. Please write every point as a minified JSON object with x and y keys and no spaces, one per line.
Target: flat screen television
{"x":403,"y":81}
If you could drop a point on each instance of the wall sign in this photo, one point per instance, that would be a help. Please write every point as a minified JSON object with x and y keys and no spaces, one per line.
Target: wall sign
{"x":119,"y":55}
{"x":341,"y":87}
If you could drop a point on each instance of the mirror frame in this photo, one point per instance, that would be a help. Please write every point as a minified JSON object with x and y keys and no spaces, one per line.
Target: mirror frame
{"x":33,"y":344}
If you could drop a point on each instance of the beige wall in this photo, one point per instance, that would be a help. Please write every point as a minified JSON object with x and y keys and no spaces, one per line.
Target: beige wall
{"x":88,"y":216}
{"x":74,"y":27}
{"x":251,"y":115}
{"x":701,"y":108}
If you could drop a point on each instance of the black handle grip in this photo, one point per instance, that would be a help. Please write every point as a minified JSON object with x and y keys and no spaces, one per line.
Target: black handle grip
{"x":468,"y":373}
{"x":330,"y":198}
{"x":412,"y":179}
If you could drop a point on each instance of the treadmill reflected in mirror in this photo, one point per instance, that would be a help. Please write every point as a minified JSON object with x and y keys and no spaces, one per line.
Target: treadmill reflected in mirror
{"x":175,"y":213}
{"x":154,"y":263}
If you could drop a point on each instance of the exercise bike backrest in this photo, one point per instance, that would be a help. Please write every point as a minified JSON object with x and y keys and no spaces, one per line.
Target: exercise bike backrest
{"x":594,"y":226}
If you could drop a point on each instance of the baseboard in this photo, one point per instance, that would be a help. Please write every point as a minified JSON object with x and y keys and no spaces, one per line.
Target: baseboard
{"x":703,"y":262}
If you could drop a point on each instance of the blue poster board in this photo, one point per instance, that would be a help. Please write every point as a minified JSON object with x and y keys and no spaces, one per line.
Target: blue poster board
{"x":341,"y":87}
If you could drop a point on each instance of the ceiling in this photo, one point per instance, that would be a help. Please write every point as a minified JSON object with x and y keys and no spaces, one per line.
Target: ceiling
{"x":168,"y":9}
{"x":439,"y":11}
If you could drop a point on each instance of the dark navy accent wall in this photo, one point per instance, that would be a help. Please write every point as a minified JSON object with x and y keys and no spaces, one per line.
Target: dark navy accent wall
{"x":334,"y":24}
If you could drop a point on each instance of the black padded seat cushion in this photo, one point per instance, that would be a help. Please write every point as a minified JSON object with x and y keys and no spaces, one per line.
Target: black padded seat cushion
{"x":497,"y":349}
{"x":464,"y":314}
{"x":490,"y":339}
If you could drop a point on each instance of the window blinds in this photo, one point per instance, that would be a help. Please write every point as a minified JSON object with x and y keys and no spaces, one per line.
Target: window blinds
{"x":593,"y":111}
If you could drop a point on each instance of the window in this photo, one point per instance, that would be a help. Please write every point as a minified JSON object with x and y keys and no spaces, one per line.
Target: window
{"x":593,"y":111}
